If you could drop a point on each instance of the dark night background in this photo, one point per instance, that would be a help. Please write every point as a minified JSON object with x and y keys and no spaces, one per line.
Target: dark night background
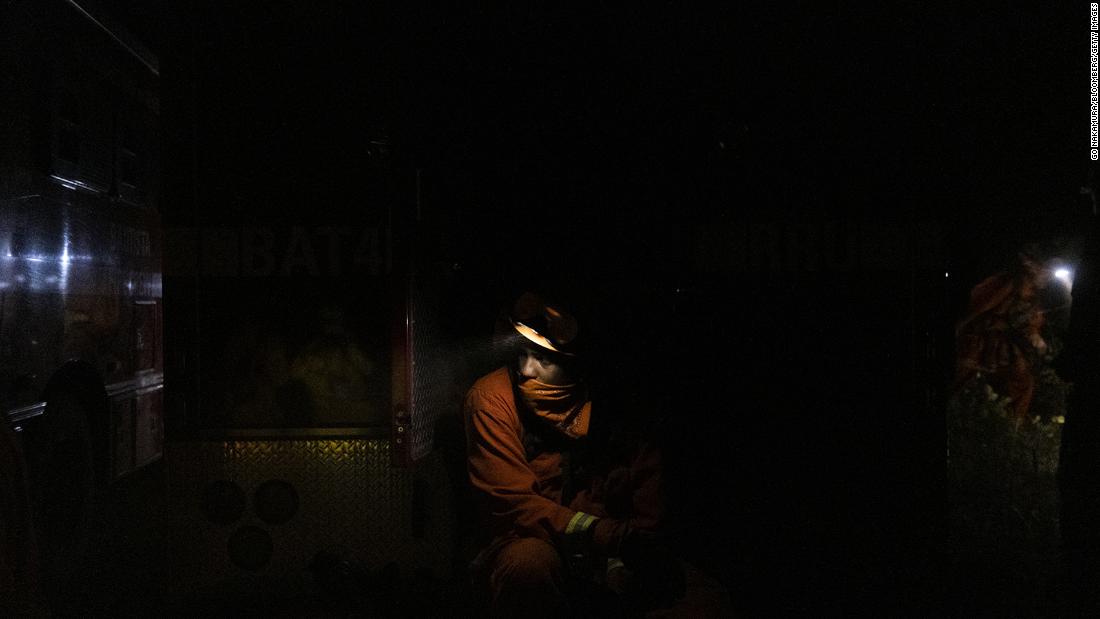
{"x":615,"y":146}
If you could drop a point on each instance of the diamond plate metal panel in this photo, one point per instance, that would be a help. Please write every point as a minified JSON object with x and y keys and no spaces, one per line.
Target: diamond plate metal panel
{"x":351,"y":501}
{"x":430,"y":365}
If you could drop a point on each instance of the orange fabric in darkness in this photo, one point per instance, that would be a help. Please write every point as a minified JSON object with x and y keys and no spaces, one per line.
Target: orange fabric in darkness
{"x":996,"y":337}
{"x":522,"y":498}
{"x":527,"y":580}
{"x":567,"y":407}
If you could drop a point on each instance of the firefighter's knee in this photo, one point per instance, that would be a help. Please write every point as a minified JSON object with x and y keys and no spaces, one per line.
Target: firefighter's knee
{"x":527,"y":562}
{"x":526,"y":581}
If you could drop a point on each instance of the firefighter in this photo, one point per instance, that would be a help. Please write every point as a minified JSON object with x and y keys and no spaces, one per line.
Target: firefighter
{"x":571,"y":512}
{"x":1001,"y":333}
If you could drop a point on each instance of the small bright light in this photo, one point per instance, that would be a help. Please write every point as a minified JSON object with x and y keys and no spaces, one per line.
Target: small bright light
{"x":1065,"y":276}
{"x":947,"y":275}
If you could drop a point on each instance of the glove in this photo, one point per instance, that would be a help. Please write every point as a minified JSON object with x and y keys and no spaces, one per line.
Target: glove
{"x":608,"y":535}
{"x":658,"y":579}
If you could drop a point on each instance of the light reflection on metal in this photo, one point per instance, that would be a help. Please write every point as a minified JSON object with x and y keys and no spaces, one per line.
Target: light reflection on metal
{"x":69,"y":183}
{"x":65,"y":258}
{"x":66,"y":240}
{"x":120,"y":34}
{"x":143,"y":383}
{"x":23,"y":413}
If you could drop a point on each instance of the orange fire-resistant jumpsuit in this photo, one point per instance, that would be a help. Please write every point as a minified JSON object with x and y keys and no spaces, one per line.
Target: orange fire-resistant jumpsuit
{"x":1000,"y":334}
{"x":535,"y":511}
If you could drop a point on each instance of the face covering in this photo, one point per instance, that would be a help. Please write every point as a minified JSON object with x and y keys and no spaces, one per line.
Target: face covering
{"x":566,"y":407}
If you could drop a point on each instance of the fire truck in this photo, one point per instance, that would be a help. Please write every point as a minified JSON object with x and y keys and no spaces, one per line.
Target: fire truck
{"x":81,"y":347}
{"x":309,"y":365}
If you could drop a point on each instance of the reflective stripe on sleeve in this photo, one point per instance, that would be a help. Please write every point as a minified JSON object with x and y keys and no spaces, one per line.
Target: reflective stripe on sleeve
{"x":579,"y":524}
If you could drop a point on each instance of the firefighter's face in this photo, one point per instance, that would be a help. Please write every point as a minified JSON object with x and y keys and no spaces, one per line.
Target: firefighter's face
{"x":534,"y":362}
